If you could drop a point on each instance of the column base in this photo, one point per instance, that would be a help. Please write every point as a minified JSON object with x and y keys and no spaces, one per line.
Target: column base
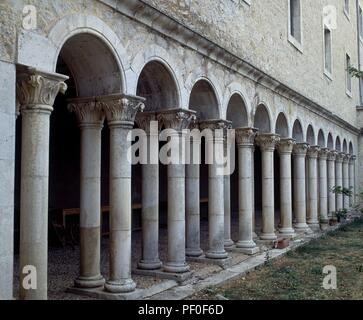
{"x":268,"y":236}
{"x":314,"y":225}
{"x":149,"y":265}
{"x":287,"y":232}
{"x":254,"y":235}
{"x":161,"y":274}
{"x":89,"y":282}
{"x":245,"y":244}
{"x":120,"y":286}
{"x":216,"y":255}
{"x":223,"y":263}
{"x":228,"y":243}
{"x":324,"y":224}
{"x":193,"y":252}
{"x":302,"y":227}
{"x":173,"y":267}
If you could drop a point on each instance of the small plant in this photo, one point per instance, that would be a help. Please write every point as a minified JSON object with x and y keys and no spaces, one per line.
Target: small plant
{"x":341,"y":214}
{"x":344,"y":191}
{"x":355,"y":73}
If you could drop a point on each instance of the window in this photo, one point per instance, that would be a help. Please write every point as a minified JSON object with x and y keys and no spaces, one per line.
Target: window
{"x":347,"y":8}
{"x":327,"y":51}
{"x":295,"y":19}
{"x":348,"y":75}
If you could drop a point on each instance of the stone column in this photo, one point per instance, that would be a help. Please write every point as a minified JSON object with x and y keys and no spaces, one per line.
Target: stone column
{"x":192,"y":193}
{"x":352,"y":179}
{"x":313,"y":220}
{"x":285,"y":147}
{"x":245,"y":140}
{"x":267,"y":144}
{"x":150,"y":194}
{"x":228,"y":242}
{"x":90,"y":119}
{"x":346,"y":160}
{"x":299,"y":151}
{"x":177,"y":120}
{"x":36,"y":92}
{"x":323,"y":187}
{"x":120,"y":112}
{"x":331,"y":183}
{"x":216,"y":189}
{"x":339,"y":179}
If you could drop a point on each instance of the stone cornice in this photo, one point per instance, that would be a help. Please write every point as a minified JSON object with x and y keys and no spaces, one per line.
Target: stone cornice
{"x":267,"y":141}
{"x":37,"y":90}
{"x":177,"y":119}
{"x":245,"y":136}
{"x":285,"y":146}
{"x":313,"y":152}
{"x":120,"y":109}
{"x":87,"y":111}
{"x":160,"y":22}
{"x":300,"y":149}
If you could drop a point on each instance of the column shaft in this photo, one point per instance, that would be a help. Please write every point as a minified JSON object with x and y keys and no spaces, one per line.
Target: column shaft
{"x":323,"y":186}
{"x":352,"y":179}
{"x":339,"y":180}
{"x":313,"y":220}
{"x":346,"y":180}
{"x":331,"y":183}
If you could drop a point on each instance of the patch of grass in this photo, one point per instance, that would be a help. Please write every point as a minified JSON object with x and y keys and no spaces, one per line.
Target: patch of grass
{"x":299,"y":274}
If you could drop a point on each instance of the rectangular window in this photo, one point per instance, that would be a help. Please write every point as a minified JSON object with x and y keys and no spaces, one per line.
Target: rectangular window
{"x":348,"y":75}
{"x":328,"y":51}
{"x":295,"y":19}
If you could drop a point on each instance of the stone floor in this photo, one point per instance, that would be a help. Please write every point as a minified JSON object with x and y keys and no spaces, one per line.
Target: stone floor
{"x":64,"y":264}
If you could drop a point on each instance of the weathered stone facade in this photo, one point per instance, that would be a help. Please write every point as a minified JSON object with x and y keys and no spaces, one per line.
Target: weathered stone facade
{"x":229,"y":61}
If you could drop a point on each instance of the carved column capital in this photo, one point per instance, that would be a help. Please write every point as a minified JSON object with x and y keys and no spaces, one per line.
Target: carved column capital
{"x":324,"y":153}
{"x":215,"y":124}
{"x":285,"y":146}
{"x":267,"y":141}
{"x":246,"y":136}
{"x":332,"y":155}
{"x":313,"y":152}
{"x":121,"y":109}
{"x":340,"y":157}
{"x":177,"y":119}
{"x":143,"y":120}
{"x":36,"y":90}
{"x":352,"y":159}
{"x":300,"y":149}
{"x":87,"y":111}
{"x":346,"y":158}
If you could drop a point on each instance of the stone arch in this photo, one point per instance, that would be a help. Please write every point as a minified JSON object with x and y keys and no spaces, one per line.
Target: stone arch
{"x":45,"y":52}
{"x":204,"y":101}
{"x":321,"y":139}
{"x":236,"y":88}
{"x":330,"y":143}
{"x":345,"y":146}
{"x":262,"y":119}
{"x":297,"y":131}
{"x":237,"y":111}
{"x":155,"y":53}
{"x":310,"y":135}
{"x":157,"y":84}
{"x":351,"y":148}
{"x":94,"y":69}
{"x":198,"y":75}
{"x":338,"y":145}
{"x":282,"y":126}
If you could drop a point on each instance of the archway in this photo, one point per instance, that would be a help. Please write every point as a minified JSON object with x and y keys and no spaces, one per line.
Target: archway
{"x":282,"y":127}
{"x":338,"y":146}
{"x":345,"y":146}
{"x":310,"y":136}
{"x":297,"y":132}
{"x":330,"y":143}
{"x":321,"y":139}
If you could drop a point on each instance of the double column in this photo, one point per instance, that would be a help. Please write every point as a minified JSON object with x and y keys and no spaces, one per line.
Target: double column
{"x":90,"y":118}
{"x":339,"y":179}
{"x":299,"y":151}
{"x":346,"y":160}
{"x":192,"y":192}
{"x":177,"y":120}
{"x":267,"y":143}
{"x":352,"y":179}
{"x":331,"y":182}
{"x":245,"y":138}
{"x":285,"y":147}
{"x":215,"y":141}
{"x":150,"y":192}
{"x":120,"y":112}
{"x":313,"y":220}
{"x":323,"y":187}
{"x":36,"y":92}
